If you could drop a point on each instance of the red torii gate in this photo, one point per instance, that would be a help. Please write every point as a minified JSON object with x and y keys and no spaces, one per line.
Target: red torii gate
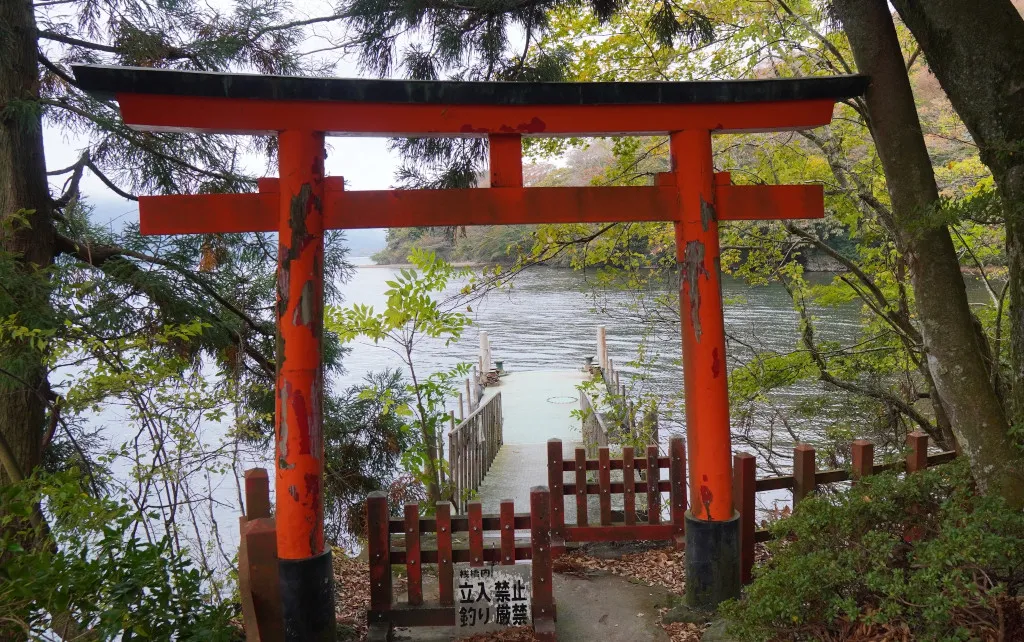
{"x":302,"y":202}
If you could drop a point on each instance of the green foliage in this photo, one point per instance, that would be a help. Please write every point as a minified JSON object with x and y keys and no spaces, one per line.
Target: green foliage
{"x":411,"y":308}
{"x":884,"y":372}
{"x":922,"y":552}
{"x":364,"y":439}
{"x":93,"y":569}
{"x":413,"y":312}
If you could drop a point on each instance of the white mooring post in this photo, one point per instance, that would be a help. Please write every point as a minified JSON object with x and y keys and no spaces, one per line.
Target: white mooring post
{"x":485,"y":353}
{"x":602,"y":348}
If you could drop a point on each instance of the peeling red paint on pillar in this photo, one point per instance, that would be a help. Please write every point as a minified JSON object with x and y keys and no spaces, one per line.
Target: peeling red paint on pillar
{"x":299,"y":410}
{"x":703,"y":328}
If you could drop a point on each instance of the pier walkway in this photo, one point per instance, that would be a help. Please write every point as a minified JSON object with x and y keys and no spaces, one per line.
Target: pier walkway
{"x":537,"y":406}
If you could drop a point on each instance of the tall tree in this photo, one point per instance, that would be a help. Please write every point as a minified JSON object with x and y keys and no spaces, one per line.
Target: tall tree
{"x":955,"y":348}
{"x":960,"y":376}
{"x":26,"y":232}
{"x":48,"y":239}
{"x":976,"y":51}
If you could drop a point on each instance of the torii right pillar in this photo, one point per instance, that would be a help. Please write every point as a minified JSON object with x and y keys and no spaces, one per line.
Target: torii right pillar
{"x":712,"y":525}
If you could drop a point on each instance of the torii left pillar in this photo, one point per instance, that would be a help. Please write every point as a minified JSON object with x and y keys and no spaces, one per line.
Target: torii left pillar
{"x":306,"y":575}
{"x":712,"y":525}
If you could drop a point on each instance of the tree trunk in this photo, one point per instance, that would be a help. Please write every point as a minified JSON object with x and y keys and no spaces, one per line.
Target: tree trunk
{"x":23,"y":188}
{"x":955,"y":358}
{"x":976,"y":51}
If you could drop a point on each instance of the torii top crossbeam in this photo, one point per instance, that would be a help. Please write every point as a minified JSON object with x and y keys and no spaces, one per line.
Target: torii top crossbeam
{"x":302,"y":202}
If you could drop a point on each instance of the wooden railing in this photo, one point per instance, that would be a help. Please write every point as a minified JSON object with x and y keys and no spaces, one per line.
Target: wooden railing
{"x":472,"y":446}
{"x":627,"y":419}
{"x":640,"y":476}
{"x":595,"y":428}
{"x":384,"y":614}
{"x":805,"y":479}
{"x":258,"y":582}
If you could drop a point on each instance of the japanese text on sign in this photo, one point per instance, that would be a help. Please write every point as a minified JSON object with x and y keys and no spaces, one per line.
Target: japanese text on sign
{"x":492,"y":598}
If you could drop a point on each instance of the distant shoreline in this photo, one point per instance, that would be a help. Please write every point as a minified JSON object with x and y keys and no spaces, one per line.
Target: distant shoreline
{"x":459,"y":264}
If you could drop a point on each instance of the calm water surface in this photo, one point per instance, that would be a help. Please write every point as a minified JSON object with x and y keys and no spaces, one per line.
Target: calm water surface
{"x":549,"y":319}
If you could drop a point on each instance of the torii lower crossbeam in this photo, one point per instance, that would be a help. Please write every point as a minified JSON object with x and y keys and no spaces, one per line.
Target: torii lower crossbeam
{"x":258,"y":212}
{"x":304,"y":202}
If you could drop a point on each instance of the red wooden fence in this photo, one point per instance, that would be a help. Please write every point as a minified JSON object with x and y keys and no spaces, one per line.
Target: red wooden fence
{"x":624,"y":526}
{"x":385,"y":614}
{"x":805,"y":479}
{"x":257,"y":563}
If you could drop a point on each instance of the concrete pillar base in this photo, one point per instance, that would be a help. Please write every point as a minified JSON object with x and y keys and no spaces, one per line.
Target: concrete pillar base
{"x":712,"y":561}
{"x":307,"y":599}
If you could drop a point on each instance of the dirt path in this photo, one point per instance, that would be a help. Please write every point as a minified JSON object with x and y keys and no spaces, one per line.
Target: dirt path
{"x":599,"y":607}
{"x":608,"y":608}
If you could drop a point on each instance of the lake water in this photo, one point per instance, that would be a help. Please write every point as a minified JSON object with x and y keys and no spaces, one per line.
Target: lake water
{"x":549,"y":320}
{"x":550,"y":317}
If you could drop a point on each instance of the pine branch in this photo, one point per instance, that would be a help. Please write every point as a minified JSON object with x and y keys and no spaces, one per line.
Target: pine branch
{"x":75,"y":42}
{"x":109,"y":183}
{"x":71,"y":192}
{"x":171,"y":53}
{"x":57,"y":71}
{"x":63,"y":104}
{"x":97,"y":255}
{"x":296,"y":23}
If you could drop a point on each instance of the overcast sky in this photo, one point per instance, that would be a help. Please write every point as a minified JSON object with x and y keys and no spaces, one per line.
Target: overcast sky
{"x":365,"y":163}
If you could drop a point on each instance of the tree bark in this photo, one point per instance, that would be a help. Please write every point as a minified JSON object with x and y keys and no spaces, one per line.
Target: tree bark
{"x":956,"y":359}
{"x":23,"y":188}
{"x":976,"y":51}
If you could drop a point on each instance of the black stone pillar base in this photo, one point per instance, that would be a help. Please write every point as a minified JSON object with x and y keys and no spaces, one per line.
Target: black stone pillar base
{"x":307,"y":599}
{"x":712,"y":561}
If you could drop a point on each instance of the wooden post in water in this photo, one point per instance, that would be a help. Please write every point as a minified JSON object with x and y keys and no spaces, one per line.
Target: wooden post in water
{"x":462,"y":413}
{"x":602,"y":348}
{"x":485,"y":354}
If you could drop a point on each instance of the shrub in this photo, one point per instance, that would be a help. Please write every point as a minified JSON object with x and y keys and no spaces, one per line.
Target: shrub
{"x":919,"y":557}
{"x":90,"y":566}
